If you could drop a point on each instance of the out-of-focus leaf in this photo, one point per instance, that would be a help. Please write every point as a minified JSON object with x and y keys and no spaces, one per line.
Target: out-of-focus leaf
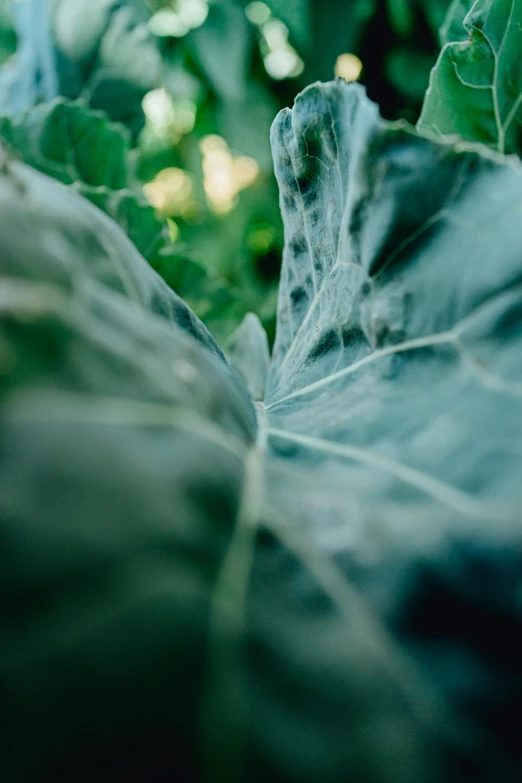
{"x":296,"y":14}
{"x":222,"y":46}
{"x":83,"y":149}
{"x":114,"y":65}
{"x":30,"y":76}
{"x":7,"y":32}
{"x":102,"y":249}
{"x":435,"y":12}
{"x":408,"y":71}
{"x":401,"y":15}
{"x":99,"y":50}
{"x":213,"y":298}
{"x":247,"y":352}
{"x":476,"y":86}
{"x":337,"y":27}
{"x":123,"y":443}
{"x":222,"y":246}
{"x":246,"y":124}
{"x":72,"y":143}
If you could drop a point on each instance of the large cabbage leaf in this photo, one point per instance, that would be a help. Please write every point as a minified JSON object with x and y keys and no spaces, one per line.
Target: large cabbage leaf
{"x":395,"y":388}
{"x":111,"y":394}
{"x":324,"y":586}
{"x":476,"y":86}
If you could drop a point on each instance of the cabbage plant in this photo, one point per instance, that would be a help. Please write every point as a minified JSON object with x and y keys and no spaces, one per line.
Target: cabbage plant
{"x":297,"y":567}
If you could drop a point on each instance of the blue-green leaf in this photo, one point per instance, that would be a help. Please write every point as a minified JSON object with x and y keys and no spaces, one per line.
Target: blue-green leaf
{"x":323,"y":587}
{"x":394,"y":400}
{"x":248,"y":353}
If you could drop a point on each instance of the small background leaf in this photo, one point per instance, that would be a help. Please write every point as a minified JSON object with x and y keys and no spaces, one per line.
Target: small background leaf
{"x":248,"y":353}
{"x":476,"y":86}
{"x":222,"y":46}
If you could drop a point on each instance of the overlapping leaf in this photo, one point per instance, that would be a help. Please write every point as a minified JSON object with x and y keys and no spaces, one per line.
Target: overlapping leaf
{"x":330,"y":594}
{"x":248,"y":353}
{"x":476,"y":87}
{"x":113,"y":526}
{"x":80,"y":147}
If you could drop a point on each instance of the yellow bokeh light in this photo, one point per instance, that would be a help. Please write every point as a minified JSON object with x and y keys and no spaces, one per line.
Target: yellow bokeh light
{"x":170,"y":191}
{"x":173,"y":230}
{"x":348,"y":67}
{"x":275,"y":33}
{"x":224,"y":174}
{"x":158,"y":108}
{"x":188,"y":15}
{"x":166,"y":118}
{"x":245,"y":171}
{"x":280,"y":58}
{"x":283,"y":63}
{"x":261,"y":238}
{"x":257,"y":13}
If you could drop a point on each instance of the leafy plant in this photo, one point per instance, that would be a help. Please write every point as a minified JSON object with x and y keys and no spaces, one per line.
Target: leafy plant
{"x":476,"y":87}
{"x":287,"y":590}
{"x":96,"y":50}
{"x":303,"y":566}
{"x":81,"y":148}
{"x":109,"y":54}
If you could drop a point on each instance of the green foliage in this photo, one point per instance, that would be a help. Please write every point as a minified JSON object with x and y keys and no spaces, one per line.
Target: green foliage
{"x":238,"y":566}
{"x":7,"y":34}
{"x":476,"y":88}
{"x":453,"y":29}
{"x":97,"y":50}
{"x":241,"y":108}
{"x":104,"y":53}
{"x":299,"y":590}
{"x":222,"y":48}
{"x":73,"y":144}
{"x":81,"y":148}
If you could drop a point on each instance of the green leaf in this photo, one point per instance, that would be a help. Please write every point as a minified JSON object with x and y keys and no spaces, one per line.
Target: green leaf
{"x":337,"y":27}
{"x":7,"y":33}
{"x":211,"y":297}
{"x":476,"y":86}
{"x":108,"y":404}
{"x":408,"y":71}
{"x":103,"y":252}
{"x":453,"y":28}
{"x":81,"y":148}
{"x":401,"y":15}
{"x":71,"y":143}
{"x":394,"y":399}
{"x":248,"y":353}
{"x":296,"y":15}
{"x":330,"y":592}
{"x":436,"y":12}
{"x":246,"y":125}
{"x":30,"y":76}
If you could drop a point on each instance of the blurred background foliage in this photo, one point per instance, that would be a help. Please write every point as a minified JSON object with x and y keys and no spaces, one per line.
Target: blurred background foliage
{"x":197,"y":84}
